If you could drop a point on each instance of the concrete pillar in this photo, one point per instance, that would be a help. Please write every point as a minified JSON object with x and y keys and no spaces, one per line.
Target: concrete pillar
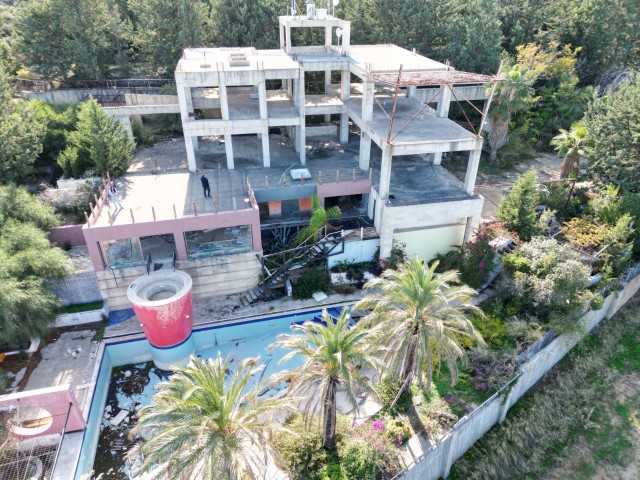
{"x":191,"y":153}
{"x":437,"y":158}
{"x":288,"y":38}
{"x":345,"y":93}
{"x":327,"y":88}
{"x":186,"y":103}
{"x":411,"y":91}
{"x":282,"y":38}
{"x":364,"y":153}
{"x":196,"y":145}
{"x":262,"y":96}
{"x":266,"y":154}
{"x":445,"y":101}
{"x":328,"y":30}
{"x":181,"y":245}
{"x":367,"y":101}
{"x":224,"y":99}
{"x":471,"y":226}
{"x":472,"y":168}
{"x":289,"y":87}
{"x":301,"y":135}
{"x":385,"y":172}
{"x":228,"y":148}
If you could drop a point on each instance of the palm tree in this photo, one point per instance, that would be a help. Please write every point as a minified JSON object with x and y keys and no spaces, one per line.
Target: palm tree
{"x":418,"y":316}
{"x":319,"y":219}
{"x":511,"y":96}
{"x":571,"y":144}
{"x":202,"y":424}
{"x":334,"y":356}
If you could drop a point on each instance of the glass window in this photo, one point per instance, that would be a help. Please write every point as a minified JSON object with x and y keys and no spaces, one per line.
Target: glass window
{"x":136,"y":250}
{"x":219,"y":241}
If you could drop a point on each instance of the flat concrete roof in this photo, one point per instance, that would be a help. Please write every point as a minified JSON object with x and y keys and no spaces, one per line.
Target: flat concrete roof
{"x":410,"y":125}
{"x":415,"y":181}
{"x":197,"y":60}
{"x":383,"y":58}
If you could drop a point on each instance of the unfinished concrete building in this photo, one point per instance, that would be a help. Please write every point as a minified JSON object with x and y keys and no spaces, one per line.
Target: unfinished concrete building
{"x":269,"y":105}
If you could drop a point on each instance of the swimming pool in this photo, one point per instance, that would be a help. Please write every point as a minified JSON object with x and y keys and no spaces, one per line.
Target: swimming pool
{"x":248,"y":338}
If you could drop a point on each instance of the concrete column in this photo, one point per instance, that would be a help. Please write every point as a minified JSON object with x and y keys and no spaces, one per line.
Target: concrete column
{"x":445,"y":101}
{"x":327,"y":87}
{"x":186,"y":103}
{"x":364,"y":153}
{"x":345,"y":40}
{"x":224,"y":99}
{"x":301,"y":135}
{"x":328,"y":30}
{"x":288,"y":38}
{"x":228,"y":148}
{"x":196,"y":145}
{"x":472,"y":225}
{"x":266,"y":154}
{"x":289,"y":86}
{"x":385,"y":172}
{"x":367,"y":101}
{"x":181,"y":245}
{"x":437,"y":158}
{"x":411,"y":91}
{"x":345,"y":93}
{"x":191,"y":153}
{"x":282,"y":38}
{"x":472,"y":168}
{"x":262,"y":96}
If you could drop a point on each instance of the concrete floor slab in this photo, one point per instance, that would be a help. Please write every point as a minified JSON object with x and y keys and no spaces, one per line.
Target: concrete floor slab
{"x":58,"y":367}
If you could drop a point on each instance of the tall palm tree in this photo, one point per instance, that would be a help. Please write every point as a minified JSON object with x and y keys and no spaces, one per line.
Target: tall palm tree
{"x":571,"y":144}
{"x":418,"y":316}
{"x":511,"y":95}
{"x":319,"y":219}
{"x":207,"y":423}
{"x":334,"y":356}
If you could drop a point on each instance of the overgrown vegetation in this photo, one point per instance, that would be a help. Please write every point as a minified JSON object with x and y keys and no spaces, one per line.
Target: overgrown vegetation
{"x":573,"y":403}
{"x":27,"y":260}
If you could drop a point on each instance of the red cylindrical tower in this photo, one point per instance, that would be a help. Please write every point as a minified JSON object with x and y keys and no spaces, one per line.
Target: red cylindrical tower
{"x":162,"y":302}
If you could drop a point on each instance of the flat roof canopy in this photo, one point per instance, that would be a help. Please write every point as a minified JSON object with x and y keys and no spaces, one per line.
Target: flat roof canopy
{"x":195,"y":60}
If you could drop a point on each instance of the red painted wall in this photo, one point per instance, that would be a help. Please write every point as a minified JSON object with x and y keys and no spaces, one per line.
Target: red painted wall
{"x":166,"y":325}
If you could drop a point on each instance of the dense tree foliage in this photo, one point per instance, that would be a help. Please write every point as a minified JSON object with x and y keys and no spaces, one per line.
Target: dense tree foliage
{"x":21,"y":134}
{"x":98,"y":143}
{"x":101,"y":38}
{"x":27,"y":259}
{"x":613,"y":125}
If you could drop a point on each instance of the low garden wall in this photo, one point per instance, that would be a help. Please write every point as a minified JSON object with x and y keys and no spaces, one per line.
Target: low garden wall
{"x":67,"y":235}
{"x":436,"y":462}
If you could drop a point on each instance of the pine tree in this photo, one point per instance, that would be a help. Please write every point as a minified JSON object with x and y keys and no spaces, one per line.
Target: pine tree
{"x":518,"y":209}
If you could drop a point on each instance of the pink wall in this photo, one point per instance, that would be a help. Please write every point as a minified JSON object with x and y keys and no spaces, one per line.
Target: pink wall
{"x":56,"y":401}
{"x":343,"y":188}
{"x":72,"y":233}
{"x":249,"y":216}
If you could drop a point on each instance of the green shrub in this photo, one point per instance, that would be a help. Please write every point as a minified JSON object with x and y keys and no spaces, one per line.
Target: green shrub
{"x":606,"y":205}
{"x":333,"y":471}
{"x":311,"y":281}
{"x":630,"y":204}
{"x":300,"y":449}
{"x":387,"y":389}
{"x":550,"y":281}
{"x":517,"y":208}
{"x":492,"y":329}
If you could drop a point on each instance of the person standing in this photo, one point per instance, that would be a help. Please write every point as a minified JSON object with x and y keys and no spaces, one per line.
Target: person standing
{"x":113,"y":197}
{"x":205,"y":185}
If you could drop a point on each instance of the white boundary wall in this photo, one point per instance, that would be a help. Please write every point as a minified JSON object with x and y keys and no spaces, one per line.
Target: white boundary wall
{"x":437,"y":461}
